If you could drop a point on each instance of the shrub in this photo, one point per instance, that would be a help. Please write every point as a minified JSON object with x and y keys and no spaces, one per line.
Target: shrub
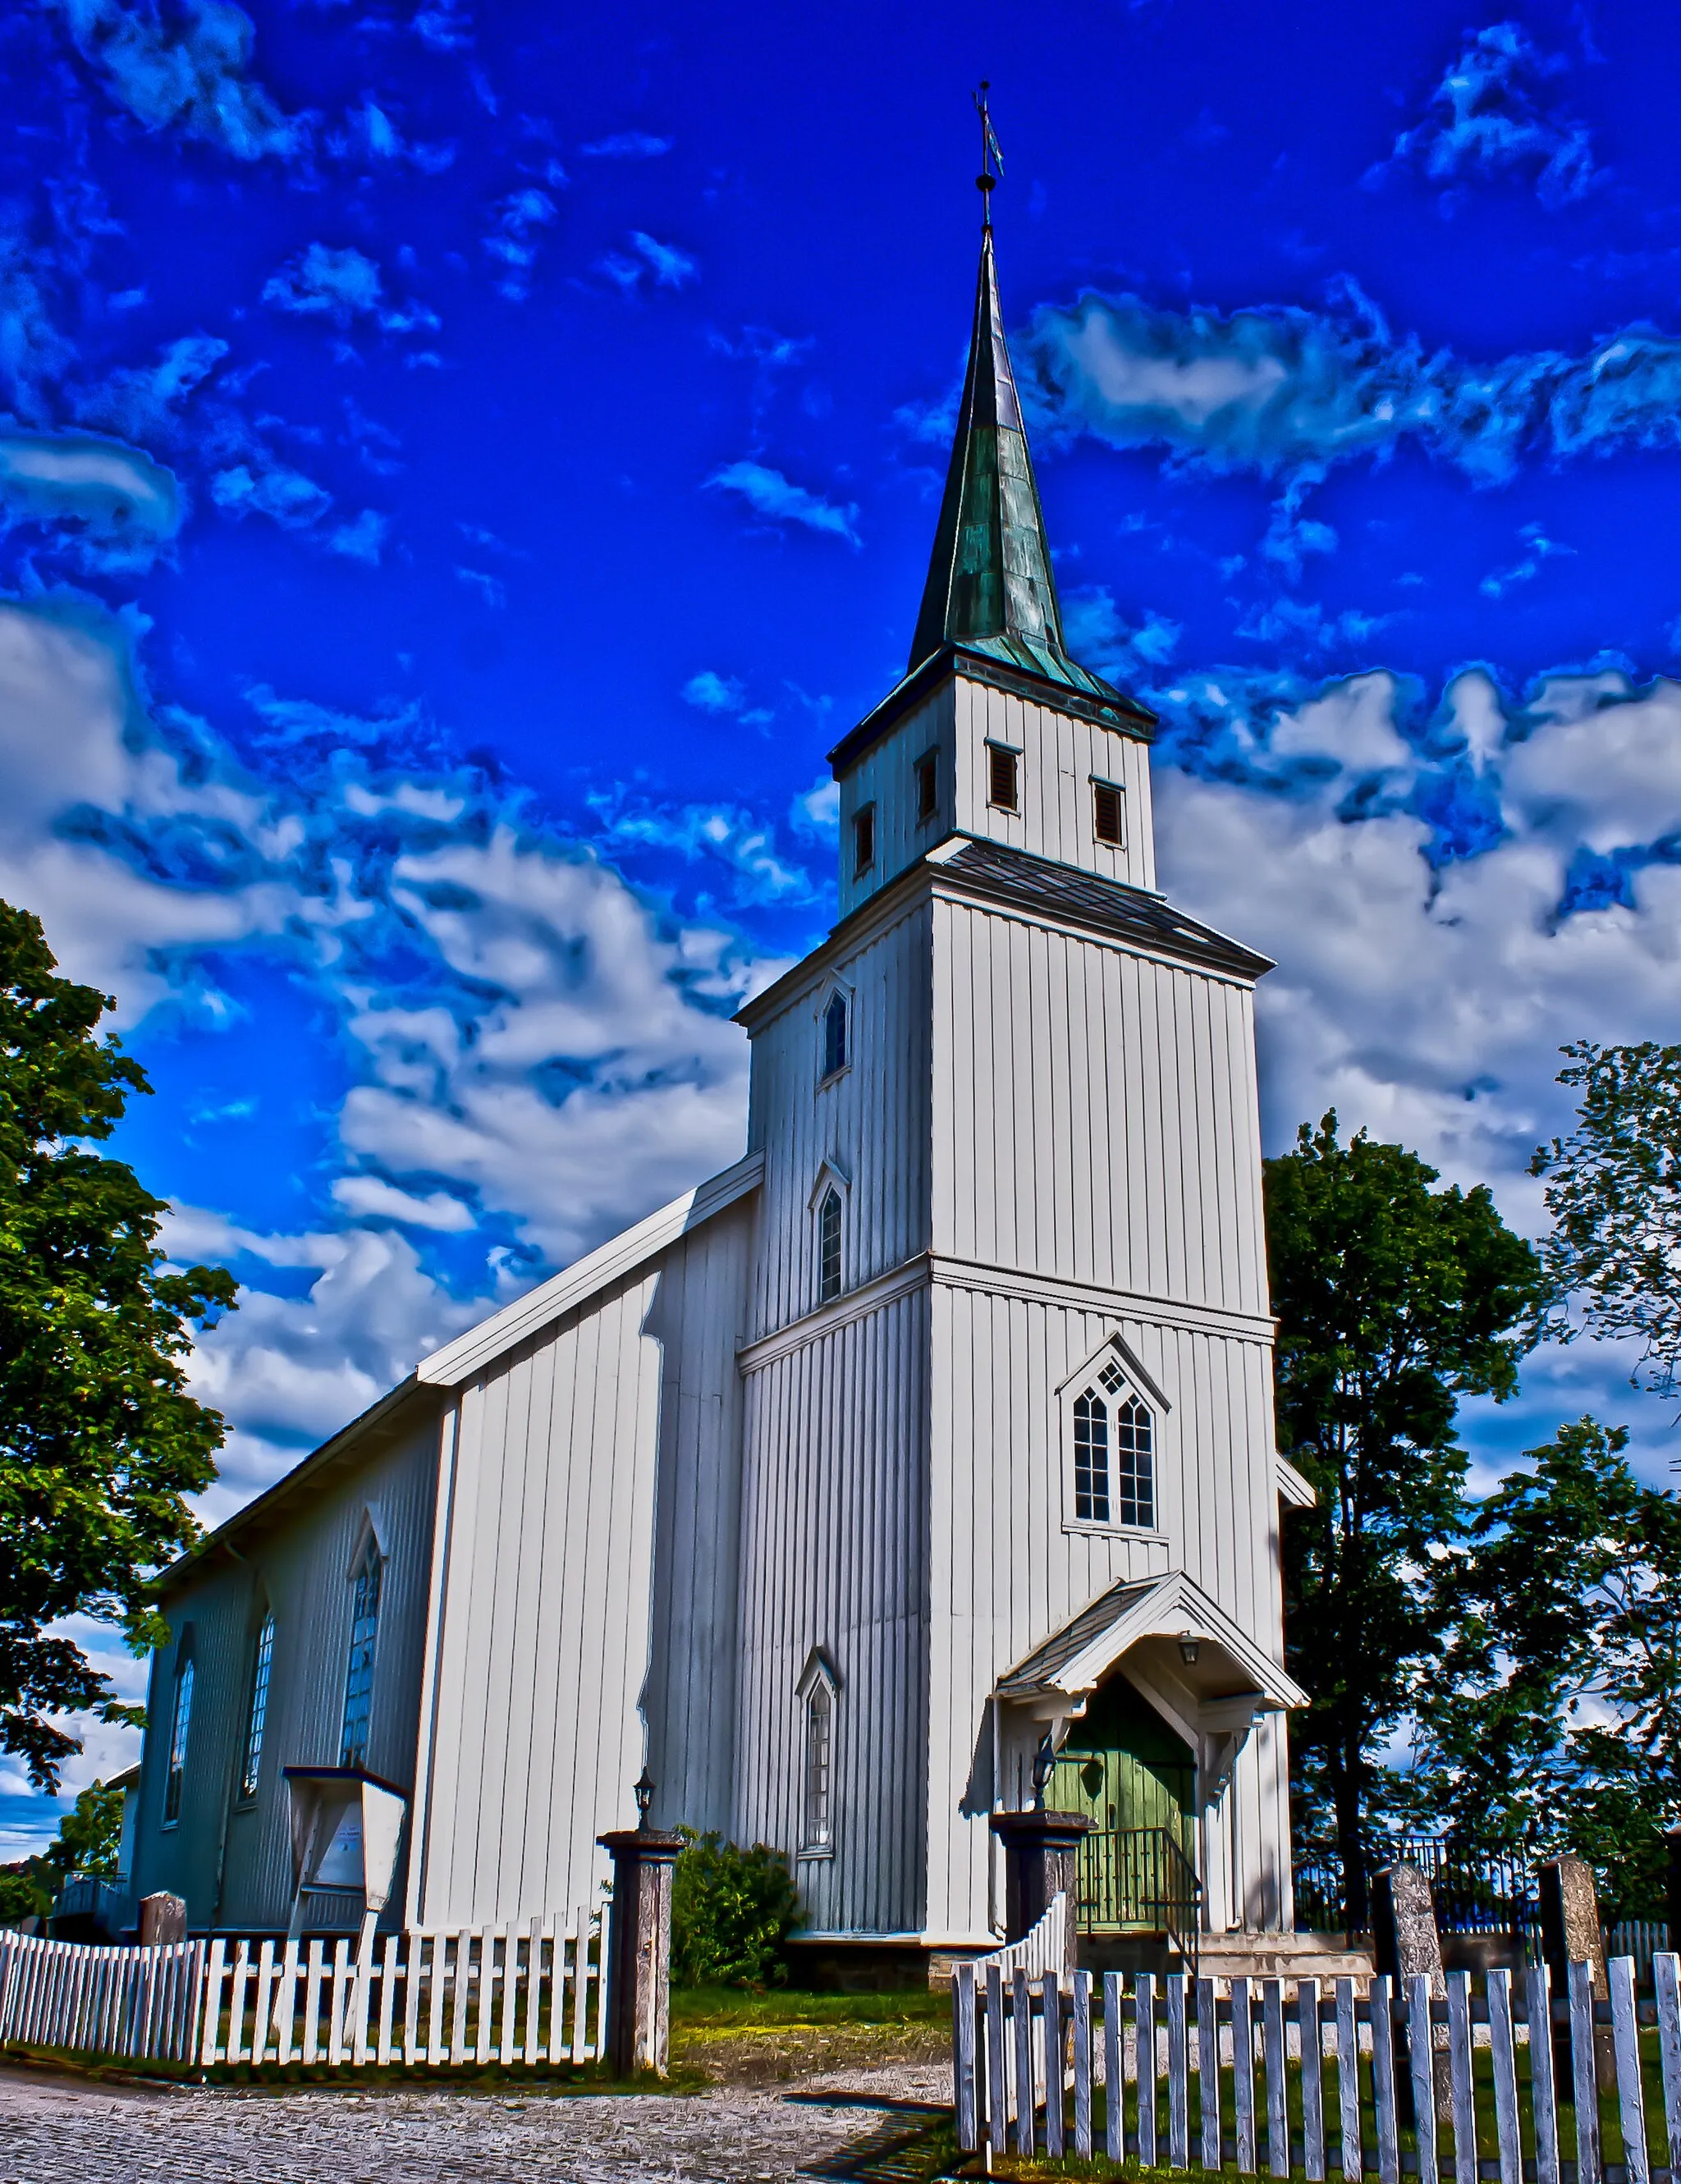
{"x":731,"y":1913}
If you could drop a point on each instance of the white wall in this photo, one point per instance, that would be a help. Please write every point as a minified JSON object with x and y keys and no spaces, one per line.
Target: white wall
{"x":1094,"y":1112}
{"x":560,"y":1522}
{"x":232,"y":1860}
{"x":836,"y":1555}
{"x":1061,"y":755}
{"x":871,"y":1121}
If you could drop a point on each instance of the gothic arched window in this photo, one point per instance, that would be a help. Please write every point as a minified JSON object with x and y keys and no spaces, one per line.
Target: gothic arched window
{"x":817,"y":1825}
{"x":358,"y":1682}
{"x":1114,"y":1454}
{"x":181,"y":1724}
{"x":834,"y":1036}
{"x":829,"y":1246}
{"x":262,"y":1665}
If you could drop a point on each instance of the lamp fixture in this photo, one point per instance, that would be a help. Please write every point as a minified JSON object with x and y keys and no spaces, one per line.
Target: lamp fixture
{"x":643,"y":1793}
{"x":1189,"y":1647}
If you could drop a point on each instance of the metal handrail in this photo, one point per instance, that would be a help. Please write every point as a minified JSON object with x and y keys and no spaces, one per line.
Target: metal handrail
{"x":1142,"y":1877}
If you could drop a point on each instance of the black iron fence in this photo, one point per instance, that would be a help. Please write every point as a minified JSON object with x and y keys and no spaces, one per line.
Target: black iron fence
{"x":1474,"y":1892}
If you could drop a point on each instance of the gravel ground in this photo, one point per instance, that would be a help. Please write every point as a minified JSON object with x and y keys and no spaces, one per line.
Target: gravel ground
{"x":56,"y":2130}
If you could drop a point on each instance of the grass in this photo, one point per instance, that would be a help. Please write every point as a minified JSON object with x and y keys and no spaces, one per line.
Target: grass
{"x":730,"y":2037}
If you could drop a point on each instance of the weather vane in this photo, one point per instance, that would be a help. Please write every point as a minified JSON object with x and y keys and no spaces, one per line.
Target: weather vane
{"x":987,"y":181}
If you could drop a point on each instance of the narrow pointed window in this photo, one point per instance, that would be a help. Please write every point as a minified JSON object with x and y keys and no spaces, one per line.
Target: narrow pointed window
{"x":829,"y":1246}
{"x":820,"y":1723}
{"x":262,"y":1662}
{"x":1134,"y":1465}
{"x":1091,"y":1459}
{"x":834,"y":1036}
{"x":358,"y":1682}
{"x":181,"y":1724}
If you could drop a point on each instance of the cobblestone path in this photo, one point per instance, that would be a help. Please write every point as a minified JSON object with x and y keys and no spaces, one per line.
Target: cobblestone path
{"x":64,"y":2131}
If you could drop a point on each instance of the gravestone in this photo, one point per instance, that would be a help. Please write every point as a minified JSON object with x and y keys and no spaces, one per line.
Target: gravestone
{"x":639,"y":1944}
{"x":163,"y":1917}
{"x":1571,"y":1935}
{"x":1405,"y":1945}
{"x":1041,"y":1862}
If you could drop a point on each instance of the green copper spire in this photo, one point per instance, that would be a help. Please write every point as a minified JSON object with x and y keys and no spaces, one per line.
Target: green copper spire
{"x":990,"y":587}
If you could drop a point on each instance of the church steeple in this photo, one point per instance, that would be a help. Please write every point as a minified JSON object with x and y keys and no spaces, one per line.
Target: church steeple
{"x":990,"y":587}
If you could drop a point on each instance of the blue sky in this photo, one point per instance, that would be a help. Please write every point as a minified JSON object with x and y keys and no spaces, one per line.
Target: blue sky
{"x":460,"y":470}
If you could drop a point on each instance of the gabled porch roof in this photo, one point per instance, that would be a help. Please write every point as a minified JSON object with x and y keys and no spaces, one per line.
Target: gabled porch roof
{"x":1075,"y":1659}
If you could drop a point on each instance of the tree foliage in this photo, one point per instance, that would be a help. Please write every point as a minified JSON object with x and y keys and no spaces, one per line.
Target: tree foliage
{"x":1394,"y":1301}
{"x":1614,"y":1192}
{"x":100,"y":1443}
{"x":731,"y":1913}
{"x":89,"y":1841}
{"x":1554,"y":1720}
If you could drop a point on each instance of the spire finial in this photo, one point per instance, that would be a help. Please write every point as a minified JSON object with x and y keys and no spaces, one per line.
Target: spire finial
{"x":985,"y":182}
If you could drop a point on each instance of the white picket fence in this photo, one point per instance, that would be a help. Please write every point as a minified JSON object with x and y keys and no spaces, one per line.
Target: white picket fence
{"x":1198,"y":2039}
{"x":1043,"y":1948}
{"x":514,"y":1999}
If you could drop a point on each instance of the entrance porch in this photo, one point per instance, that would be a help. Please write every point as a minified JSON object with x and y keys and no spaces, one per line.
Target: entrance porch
{"x":1136,"y":1715}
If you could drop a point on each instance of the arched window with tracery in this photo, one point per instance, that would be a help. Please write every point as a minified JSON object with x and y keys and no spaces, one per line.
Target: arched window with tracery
{"x":1114,"y":1454}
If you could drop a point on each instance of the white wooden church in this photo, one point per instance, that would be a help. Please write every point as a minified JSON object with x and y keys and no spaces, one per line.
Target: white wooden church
{"x":940,"y":1422}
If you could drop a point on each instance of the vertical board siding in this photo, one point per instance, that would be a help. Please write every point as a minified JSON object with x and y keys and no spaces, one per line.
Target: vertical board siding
{"x":591,"y":1580}
{"x":1061,"y":757}
{"x":999,"y":1588}
{"x":885,"y":777}
{"x":871,"y":1122}
{"x":1077,"y":1080}
{"x":835,"y":1554}
{"x":232,"y":1860}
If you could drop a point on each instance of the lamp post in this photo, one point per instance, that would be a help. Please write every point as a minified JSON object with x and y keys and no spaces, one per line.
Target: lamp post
{"x":639,"y":1941}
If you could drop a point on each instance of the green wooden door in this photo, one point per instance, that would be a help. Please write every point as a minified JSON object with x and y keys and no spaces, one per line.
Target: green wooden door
{"x":1134,"y":1778}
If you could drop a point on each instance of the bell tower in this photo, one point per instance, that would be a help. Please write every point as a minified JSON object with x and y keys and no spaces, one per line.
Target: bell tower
{"x":1007,"y":1390}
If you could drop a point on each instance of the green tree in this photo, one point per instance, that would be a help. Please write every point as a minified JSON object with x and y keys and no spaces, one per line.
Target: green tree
{"x":1614,"y":1192}
{"x":1553,"y":1720}
{"x":1394,"y":1301}
{"x":100,"y":1443}
{"x":90,"y":1835}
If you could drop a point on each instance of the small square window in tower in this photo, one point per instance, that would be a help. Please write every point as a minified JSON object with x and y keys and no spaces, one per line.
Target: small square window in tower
{"x":927,"y":787}
{"x":1109,"y":814}
{"x":1004,"y":786}
{"x":864,"y":839}
{"x":829,"y":1246}
{"x":834,"y":1036}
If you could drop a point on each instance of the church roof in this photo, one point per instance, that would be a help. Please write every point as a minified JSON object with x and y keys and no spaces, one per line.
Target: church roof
{"x":991,"y":589}
{"x":1010,"y":875}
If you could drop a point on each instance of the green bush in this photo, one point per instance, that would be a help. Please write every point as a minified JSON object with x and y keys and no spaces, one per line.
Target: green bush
{"x":731,"y":1913}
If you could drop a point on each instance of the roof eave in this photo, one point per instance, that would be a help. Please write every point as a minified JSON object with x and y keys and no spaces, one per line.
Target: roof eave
{"x":1120,"y":715}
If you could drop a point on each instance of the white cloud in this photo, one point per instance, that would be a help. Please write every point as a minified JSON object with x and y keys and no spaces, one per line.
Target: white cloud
{"x":713,"y":692}
{"x":773,"y":495}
